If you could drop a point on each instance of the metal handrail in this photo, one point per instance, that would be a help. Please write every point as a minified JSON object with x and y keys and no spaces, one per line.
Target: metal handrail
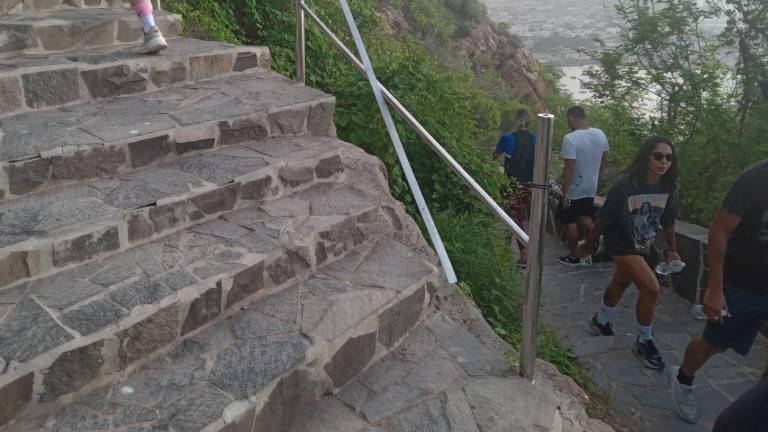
{"x":518,"y":232}
{"x":541,"y":175}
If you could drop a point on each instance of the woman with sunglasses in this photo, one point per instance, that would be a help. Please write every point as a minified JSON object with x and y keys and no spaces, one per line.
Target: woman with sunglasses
{"x":641,"y":203}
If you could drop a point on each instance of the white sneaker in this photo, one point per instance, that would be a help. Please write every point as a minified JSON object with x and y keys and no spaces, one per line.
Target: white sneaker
{"x":683,"y":398}
{"x":154,"y":41}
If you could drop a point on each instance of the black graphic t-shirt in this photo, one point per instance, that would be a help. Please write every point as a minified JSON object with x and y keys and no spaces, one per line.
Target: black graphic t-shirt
{"x":746,"y":259}
{"x":634,"y":214}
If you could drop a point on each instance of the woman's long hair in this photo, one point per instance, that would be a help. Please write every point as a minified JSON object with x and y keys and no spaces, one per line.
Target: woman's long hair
{"x":638,"y":170}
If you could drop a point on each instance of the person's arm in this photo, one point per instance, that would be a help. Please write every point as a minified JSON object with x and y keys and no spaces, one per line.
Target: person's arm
{"x":568,"y":170}
{"x":604,"y":161}
{"x":719,"y":232}
{"x":671,"y":238}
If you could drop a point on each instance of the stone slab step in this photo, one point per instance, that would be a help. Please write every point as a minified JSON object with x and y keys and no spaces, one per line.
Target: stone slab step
{"x":78,"y":330}
{"x":71,"y":29}
{"x":30,"y":82}
{"x":440,"y":379}
{"x":96,"y":139}
{"x":44,"y":232}
{"x":21,"y":6}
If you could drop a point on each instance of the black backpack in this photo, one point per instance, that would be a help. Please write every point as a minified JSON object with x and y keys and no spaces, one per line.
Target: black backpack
{"x":520,"y":164}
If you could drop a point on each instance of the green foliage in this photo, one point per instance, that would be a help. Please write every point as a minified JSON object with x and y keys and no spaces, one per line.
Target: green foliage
{"x":664,"y":53}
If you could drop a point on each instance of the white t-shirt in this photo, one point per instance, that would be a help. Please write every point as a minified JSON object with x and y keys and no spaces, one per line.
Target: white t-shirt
{"x":586,"y":147}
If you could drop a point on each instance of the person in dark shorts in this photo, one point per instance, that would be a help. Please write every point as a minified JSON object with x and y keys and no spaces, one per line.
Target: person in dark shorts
{"x":584,"y":152}
{"x":638,"y":206}
{"x":519,"y":148}
{"x":736,"y":300}
{"x":747,"y":413}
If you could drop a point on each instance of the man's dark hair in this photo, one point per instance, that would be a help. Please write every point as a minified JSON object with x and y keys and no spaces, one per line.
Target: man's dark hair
{"x":638,"y":171}
{"x":763,"y":83}
{"x":577,"y":113}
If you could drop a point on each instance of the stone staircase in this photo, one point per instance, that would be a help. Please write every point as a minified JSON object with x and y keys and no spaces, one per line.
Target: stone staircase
{"x":184,"y":244}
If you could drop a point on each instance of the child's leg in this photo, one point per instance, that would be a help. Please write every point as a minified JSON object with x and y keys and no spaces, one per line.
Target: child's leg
{"x":145,"y":12}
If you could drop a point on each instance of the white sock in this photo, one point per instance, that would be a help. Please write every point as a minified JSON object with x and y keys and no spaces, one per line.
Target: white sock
{"x":646,"y":333}
{"x":604,"y":314}
{"x":148,"y":21}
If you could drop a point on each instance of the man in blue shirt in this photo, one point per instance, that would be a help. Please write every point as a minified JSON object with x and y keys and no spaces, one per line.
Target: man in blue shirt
{"x":518,"y":149}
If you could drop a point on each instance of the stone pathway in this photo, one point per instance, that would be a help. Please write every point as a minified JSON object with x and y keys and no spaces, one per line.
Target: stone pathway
{"x":640,"y":396}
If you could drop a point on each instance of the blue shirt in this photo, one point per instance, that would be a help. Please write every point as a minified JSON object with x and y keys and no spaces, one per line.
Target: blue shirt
{"x":508,"y":143}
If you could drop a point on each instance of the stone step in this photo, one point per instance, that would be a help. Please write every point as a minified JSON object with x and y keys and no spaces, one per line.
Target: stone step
{"x":295,"y":279}
{"x":99,"y":73}
{"x":98,"y":139}
{"x":441,"y":378}
{"x":48,"y":231}
{"x":21,"y":6}
{"x":71,"y":29}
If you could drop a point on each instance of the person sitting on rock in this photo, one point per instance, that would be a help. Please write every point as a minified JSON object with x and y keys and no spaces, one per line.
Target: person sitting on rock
{"x":153,"y":39}
{"x":638,"y":206}
{"x":736,"y":300}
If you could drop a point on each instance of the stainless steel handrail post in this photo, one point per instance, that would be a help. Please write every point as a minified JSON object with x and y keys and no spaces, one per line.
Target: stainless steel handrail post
{"x":500,"y":214}
{"x":421,"y":203}
{"x":539,"y":213}
{"x":159,"y":6}
{"x":301,"y":44}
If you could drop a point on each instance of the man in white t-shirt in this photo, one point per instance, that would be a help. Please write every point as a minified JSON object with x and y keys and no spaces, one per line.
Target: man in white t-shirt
{"x":584,"y":151}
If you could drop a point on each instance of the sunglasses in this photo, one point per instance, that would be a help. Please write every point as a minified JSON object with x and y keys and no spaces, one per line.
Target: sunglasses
{"x":661,"y":156}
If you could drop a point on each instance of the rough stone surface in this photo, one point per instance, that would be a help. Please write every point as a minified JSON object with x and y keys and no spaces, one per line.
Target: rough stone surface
{"x":15,"y":396}
{"x":296,"y":176}
{"x":288,"y":122}
{"x":246,"y":283}
{"x":11,"y":98}
{"x":146,"y":151}
{"x":85,"y":247}
{"x":25,"y":177}
{"x":28,"y":331}
{"x":202,"y":310}
{"x":139,"y":228}
{"x":148,"y":335}
{"x":51,"y":88}
{"x":241,"y":370}
{"x":93,"y":316}
{"x":62,"y":292}
{"x":209,"y":66}
{"x":256,"y":190}
{"x":113,"y":81}
{"x":245,"y":61}
{"x":72,"y":370}
{"x":99,"y":162}
{"x":13,"y":267}
{"x":222,"y":199}
{"x":397,"y":320}
{"x":320,"y":119}
{"x":351,"y":359}
{"x":167,"y":74}
{"x":240,"y":131}
{"x":286,"y":402}
{"x":329,"y":167}
{"x":286,"y":267}
{"x":142,"y":292}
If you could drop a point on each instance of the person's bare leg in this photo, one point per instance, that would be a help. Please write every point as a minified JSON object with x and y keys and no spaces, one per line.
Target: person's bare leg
{"x":621,"y":280}
{"x":697,"y":354}
{"x":572,"y":238}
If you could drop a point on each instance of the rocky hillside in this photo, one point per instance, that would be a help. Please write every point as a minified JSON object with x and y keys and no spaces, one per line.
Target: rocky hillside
{"x":486,"y":46}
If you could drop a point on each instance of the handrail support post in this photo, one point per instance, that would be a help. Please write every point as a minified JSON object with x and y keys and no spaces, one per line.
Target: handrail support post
{"x":533,"y":276}
{"x":301,"y":44}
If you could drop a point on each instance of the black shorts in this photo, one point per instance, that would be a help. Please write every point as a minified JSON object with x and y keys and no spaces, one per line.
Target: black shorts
{"x":580,"y":207}
{"x":749,"y":311}
{"x":748,"y":413}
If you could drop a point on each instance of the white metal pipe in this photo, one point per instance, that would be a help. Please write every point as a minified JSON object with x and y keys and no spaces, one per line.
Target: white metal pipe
{"x":301,"y":44}
{"x":426,"y":216}
{"x":539,"y":213}
{"x":518,"y":232}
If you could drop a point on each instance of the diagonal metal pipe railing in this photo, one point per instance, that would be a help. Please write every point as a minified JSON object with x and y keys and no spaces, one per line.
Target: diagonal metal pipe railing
{"x":539,"y":213}
{"x":478,"y":190}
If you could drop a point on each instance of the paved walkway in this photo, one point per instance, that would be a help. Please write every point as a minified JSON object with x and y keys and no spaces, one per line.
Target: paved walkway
{"x":640,"y":396}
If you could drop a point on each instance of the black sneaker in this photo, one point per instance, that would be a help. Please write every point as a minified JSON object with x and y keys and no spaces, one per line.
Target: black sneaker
{"x":601,"y":329}
{"x":569,"y":260}
{"x":649,"y":354}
